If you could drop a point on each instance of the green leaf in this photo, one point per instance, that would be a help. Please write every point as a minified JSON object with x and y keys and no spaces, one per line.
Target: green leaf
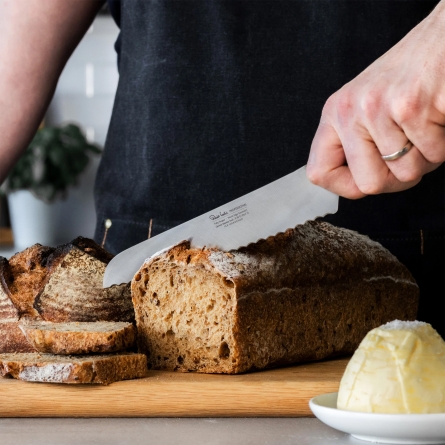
{"x":53,"y":161}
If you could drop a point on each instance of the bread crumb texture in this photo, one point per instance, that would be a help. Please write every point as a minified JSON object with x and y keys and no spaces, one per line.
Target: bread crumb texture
{"x":310,"y":293}
{"x":79,"y":337}
{"x":49,"y":368}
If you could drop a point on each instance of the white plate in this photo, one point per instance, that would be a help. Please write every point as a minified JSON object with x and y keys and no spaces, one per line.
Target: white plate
{"x":382,"y":428}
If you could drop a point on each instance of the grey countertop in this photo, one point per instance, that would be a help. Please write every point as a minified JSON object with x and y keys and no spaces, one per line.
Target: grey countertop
{"x":167,"y":431}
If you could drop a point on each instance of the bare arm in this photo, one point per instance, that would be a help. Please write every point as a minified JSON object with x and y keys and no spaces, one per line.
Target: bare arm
{"x":38,"y":36}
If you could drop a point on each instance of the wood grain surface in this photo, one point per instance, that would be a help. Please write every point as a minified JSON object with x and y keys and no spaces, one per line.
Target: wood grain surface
{"x":6,"y":238}
{"x":281,"y":392}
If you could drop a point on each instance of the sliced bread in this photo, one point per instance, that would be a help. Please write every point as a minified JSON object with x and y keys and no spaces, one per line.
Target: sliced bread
{"x":307,"y":294}
{"x":103,"y":369}
{"x":62,"y":284}
{"x":79,"y":337}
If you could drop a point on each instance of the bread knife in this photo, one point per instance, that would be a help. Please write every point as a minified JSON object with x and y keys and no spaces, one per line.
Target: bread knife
{"x":274,"y":208}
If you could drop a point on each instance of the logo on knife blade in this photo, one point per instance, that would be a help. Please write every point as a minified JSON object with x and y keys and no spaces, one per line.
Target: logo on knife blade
{"x":226,"y":219}
{"x":213,"y":217}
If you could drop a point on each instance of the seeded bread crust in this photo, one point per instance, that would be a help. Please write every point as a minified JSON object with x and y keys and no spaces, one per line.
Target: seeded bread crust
{"x":307,"y":294}
{"x":61,"y":284}
{"x":79,"y":338}
{"x":102,"y":369}
{"x":73,"y":289}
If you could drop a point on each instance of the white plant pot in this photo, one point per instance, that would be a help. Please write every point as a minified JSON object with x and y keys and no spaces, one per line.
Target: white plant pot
{"x":32,"y":220}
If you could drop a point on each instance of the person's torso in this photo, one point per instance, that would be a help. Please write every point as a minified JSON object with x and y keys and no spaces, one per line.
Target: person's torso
{"x":217,"y":98}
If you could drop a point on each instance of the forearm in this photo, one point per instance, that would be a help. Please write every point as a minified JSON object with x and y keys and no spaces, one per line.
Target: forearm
{"x":38,"y":36}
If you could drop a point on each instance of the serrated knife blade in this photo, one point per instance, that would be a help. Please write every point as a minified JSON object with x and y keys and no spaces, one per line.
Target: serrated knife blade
{"x":271,"y":209}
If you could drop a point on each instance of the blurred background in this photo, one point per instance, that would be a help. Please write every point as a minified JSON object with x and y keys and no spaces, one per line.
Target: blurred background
{"x":84,"y":96}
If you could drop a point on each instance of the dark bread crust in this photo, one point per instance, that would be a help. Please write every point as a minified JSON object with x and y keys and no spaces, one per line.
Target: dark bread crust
{"x":92,"y":248}
{"x":28,"y":272}
{"x":312,"y":253}
{"x":310,"y":293}
{"x":11,"y":336}
{"x":7,"y":308}
{"x":82,"y":264}
{"x":86,"y":245}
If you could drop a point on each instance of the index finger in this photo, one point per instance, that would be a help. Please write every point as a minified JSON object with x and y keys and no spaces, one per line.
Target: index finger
{"x":327,"y":165}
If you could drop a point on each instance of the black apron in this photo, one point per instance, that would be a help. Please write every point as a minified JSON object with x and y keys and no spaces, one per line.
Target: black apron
{"x":218,"y":98}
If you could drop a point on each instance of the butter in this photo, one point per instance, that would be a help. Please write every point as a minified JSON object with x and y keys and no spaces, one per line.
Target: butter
{"x":398,"y":368}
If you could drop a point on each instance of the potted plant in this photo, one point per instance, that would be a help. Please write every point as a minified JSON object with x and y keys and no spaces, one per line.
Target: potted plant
{"x":47,"y":169}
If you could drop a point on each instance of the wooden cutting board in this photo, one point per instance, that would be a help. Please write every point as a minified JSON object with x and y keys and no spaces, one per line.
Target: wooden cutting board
{"x":281,"y":392}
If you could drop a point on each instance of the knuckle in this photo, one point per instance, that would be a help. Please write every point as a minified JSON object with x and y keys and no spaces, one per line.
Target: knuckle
{"x":355,"y":194}
{"x":431,"y":147}
{"x":314,"y":174}
{"x":372,"y":188}
{"x":345,"y":105}
{"x":371,"y":104}
{"x":329,"y":105}
{"x":407,"y":109}
{"x":408,"y":175}
{"x":435,"y":156}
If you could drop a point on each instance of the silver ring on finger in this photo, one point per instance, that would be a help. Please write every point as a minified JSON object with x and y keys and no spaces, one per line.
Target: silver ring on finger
{"x":398,"y":154}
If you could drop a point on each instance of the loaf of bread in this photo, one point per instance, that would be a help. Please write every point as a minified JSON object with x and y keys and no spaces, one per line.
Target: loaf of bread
{"x":310,"y":293}
{"x":80,"y":337}
{"x":73,"y":289}
{"x":49,"y":368}
{"x":62,"y":284}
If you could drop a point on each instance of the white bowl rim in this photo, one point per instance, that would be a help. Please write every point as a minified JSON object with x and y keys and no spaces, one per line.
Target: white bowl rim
{"x":377,"y":416}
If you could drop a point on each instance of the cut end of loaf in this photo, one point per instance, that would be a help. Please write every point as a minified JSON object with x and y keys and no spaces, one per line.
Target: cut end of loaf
{"x":185,"y":316}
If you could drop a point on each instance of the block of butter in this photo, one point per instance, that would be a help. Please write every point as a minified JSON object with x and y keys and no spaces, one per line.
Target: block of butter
{"x":398,"y":368}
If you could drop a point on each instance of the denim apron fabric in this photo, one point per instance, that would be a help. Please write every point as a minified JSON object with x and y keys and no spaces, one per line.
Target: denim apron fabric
{"x":218,"y":98}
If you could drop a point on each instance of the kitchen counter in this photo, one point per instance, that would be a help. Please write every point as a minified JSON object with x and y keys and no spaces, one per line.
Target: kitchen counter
{"x":166,"y":431}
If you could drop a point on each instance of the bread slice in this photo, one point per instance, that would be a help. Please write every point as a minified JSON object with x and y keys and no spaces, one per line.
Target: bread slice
{"x":80,"y":337}
{"x":103,"y":369}
{"x":307,"y":294}
{"x":62,"y":284}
